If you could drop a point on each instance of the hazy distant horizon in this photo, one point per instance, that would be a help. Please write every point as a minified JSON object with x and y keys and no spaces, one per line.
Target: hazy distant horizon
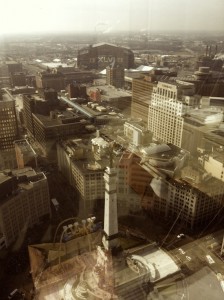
{"x":104,"y":16}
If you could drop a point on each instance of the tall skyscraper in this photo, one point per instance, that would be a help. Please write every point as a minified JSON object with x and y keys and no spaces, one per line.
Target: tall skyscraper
{"x":141,"y":96}
{"x":166,"y":110}
{"x":8,"y":123}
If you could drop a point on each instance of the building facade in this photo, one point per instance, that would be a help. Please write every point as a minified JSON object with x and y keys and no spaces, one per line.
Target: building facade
{"x":137,"y":135}
{"x":212,"y":162}
{"x":25,"y":154}
{"x":24,"y":201}
{"x":49,"y":79}
{"x":84,"y":168}
{"x":84,"y":175}
{"x":8,"y":123}
{"x":102,"y":55}
{"x":190,"y":198}
{"x":115,"y":76}
{"x":46,"y":124}
{"x":166,"y":110}
{"x":142,"y":90}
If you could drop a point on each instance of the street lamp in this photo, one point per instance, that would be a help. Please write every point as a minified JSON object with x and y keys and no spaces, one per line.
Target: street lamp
{"x":75,"y":230}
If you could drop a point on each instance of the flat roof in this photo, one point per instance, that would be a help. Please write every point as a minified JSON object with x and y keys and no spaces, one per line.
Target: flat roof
{"x":209,"y":185}
{"x":48,"y":121}
{"x":4,"y":177}
{"x":151,"y":260}
{"x":111,"y":91}
{"x":25,"y":146}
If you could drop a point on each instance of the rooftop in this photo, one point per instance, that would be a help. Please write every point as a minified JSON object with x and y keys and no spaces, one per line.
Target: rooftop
{"x":60,"y":117}
{"x":206,"y":183}
{"x":108,"y":44}
{"x":78,"y":273}
{"x":25,"y":147}
{"x":206,"y":115}
{"x":109,"y":92}
{"x":19,"y":180}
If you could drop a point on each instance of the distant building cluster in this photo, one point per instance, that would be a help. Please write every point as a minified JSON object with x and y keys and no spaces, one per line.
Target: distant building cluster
{"x":160,"y":127}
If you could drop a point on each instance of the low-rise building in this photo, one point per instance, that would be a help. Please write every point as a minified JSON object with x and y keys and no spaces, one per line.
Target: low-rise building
{"x":47,"y":122}
{"x":50,"y":79}
{"x":137,"y":134}
{"x":212,"y":162}
{"x":118,"y":98}
{"x":184,"y":192}
{"x":25,"y":154}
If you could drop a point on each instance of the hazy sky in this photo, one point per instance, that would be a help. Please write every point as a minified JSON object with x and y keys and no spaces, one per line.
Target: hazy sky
{"x":27,"y":16}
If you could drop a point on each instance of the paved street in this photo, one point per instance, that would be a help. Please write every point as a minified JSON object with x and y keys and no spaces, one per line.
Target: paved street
{"x":200,"y":253}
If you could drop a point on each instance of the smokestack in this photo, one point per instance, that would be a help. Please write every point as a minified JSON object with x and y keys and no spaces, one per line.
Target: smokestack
{"x":216,"y":49}
{"x":206,"y":52}
{"x":210,"y":51}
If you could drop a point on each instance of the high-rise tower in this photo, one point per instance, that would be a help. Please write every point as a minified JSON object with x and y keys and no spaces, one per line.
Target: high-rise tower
{"x":166,"y":110}
{"x":8,"y":123}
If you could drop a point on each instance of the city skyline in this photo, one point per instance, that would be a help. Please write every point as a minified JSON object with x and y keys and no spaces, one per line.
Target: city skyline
{"x":112,"y":150}
{"x":27,"y":17}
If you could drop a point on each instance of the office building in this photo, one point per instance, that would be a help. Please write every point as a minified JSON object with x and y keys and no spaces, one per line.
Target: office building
{"x":50,"y":79}
{"x":18,"y":79}
{"x":14,"y":67}
{"x":212,"y":161}
{"x":47,"y":122}
{"x":8,"y":159}
{"x":73,"y":75}
{"x":129,"y":198}
{"x":202,"y":129}
{"x":24,"y":201}
{"x":76,"y":91}
{"x":168,"y":105}
{"x":196,"y":196}
{"x":8,"y":123}
{"x":136,"y":133}
{"x":83,"y":173}
{"x":141,"y":96}
{"x":115,"y":76}
{"x":207,"y":83}
{"x":183,"y":191}
{"x":102,"y":55}
{"x":83,"y":165}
